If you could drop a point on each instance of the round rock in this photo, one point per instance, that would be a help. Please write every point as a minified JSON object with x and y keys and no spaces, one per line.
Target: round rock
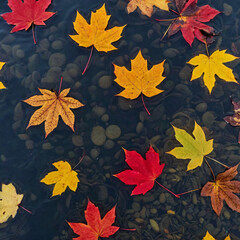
{"x":98,"y":136}
{"x":113,"y":132}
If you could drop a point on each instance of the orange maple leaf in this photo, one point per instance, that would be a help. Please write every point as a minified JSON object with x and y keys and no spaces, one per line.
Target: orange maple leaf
{"x":53,"y":105}
{"x":223,"y":189}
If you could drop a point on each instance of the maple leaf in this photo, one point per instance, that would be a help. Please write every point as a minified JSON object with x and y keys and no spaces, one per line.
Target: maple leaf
{"x":191,"y":21}
{"x":9,"y":202}
{"x":211,"y":66}
{"x":1,"y":84}
{"x":95,"y":33}
{"x":95,"y":227}
{"x":223,"y":189}
{"x":62,"y":178}
{"x":143,"y":173}
{"x":208,"y":236}
{"x":146,"y":6}
{"x":234,"y":120}
{"x":193,"y":147}
{"x":53,"y":105}
{"x":27,"y":13}
{"x":139,"y":80}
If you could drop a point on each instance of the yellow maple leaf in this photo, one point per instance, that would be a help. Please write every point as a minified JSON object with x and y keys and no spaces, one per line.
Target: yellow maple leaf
{"x":139,"y":80}
{"x":1,"y":84}
{"x":208,"y":236}
{"x":211,"y":66}
{"x":9,"y":202}
{"x":193,"y":148}
{"x":95,"y":33}
{"x":62,"y":178}
{"x":53,"y":105}
{"x":146,"y":6}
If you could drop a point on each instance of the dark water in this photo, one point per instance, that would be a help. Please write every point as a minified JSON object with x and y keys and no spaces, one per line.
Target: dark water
{"x":25,"y":159}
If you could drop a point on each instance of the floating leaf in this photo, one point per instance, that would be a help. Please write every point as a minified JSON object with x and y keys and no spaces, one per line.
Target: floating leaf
{"x":28,"y":13}
{"x":1,"y":84}
{"x":193,"y":147}
{"x":191,"y":21}
{"x":53,"y":105}
{"x":223,"y":189}
{"x":95,"y":227}
{"x":208,"y":236}
{"x":9,"y":202}
{"x":62,"y":178}
{"x":209,"y":66}
{"x":139,"y":80}
{"x":146,"y":6}
{"x":143,"y":173}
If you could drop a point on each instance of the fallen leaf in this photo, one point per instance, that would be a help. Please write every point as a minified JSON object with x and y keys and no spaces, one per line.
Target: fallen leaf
{"x":191,"y":21}
{"x":211,"y":66}
{"x":1,"y":84}
{"x":64,"y":177}
{"x":95,"y":33}
{"x":143,"y":173}
{"x":234,"y":120}
{"x":208,"y":236}
{"x":27,"y":13}
{"x":95,"y":227}
{"x":139,"y":80}
{"x":193,"y":147}
{"x":223,"y":189}
{"x":9,"y":202}
{"x":146,"y":6}
{"x":53,"y":105}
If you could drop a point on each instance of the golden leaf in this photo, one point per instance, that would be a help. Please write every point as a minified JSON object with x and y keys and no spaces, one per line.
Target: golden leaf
{"x":223,"y":189}
{"x":193,"y":148}
{"x":53,"y":105}
{"x":209,"y":66}
{"x":9,"y":201}
{"x":62,"y":178}
{"x":1,"y":84}
{"x":146,"y":6}
{"x":95,"y":33}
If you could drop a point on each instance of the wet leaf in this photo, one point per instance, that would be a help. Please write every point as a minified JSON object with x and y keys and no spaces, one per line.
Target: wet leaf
{"x":9,"y":201}
{"x":95,"y":33}
{"x":193,"y":147}
{"x":211,"y":66}
{"x":95,"y":227}
{"x":191,"y":21}
{"x":208,"y":236}
{"x":1,"y":84}
{"x":146,"y":6}
{"x":143,"y":172}
{"x":62,"y":178}
{"x":223,"y":189}
{"x":53,"y":105}
{"x":27,"y":13}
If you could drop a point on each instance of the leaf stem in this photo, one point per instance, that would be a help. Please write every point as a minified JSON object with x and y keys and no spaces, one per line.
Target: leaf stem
{"x":144,"y":105}
{"x":127,"y":229}
{"x":163,"y":20}
{"x":174,"y":11}
{"x":179,"y":194}
{"x":166,"y":31}
{"x":33,"y":33}
{"x":205,"y":42}
{"x":217,"y":162}
{"x":60,"y":85}
{"x":90,"y":56}
{"x":210,"y":169}
{"x":80,"y":159}
{"x":25,"y":209}
{"x":176,"y":195}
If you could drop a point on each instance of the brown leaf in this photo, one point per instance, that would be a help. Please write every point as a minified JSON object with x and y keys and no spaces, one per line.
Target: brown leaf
{"x":223,"y":189}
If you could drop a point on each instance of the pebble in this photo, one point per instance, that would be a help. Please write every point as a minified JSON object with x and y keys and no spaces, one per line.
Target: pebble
{"x":171,"y":53}
{"x":208,"y":119}
{"x":226,"y":214}
{"x":153,"y":210}
{"x":105,"y":118}
{"x":136,"y":207}
{"x":154,"y":225}
{"x":59,"y":150}
{"x":109,"y":144}
{"x":105,"y":82}
{"x":23,"y":137}
{"x":20,"y":53}
{"x":18,"y":112}
{"x":194,"y":198}
{"x":162,"y":198}
{"x":98,"y":136}
{"x":137,"y":38}
{"x":73,"y":70}
{"x":57,"y":45}
{"x":139,"y":127}
{"x":227,"y":9}
{"x":139,"y":220}
{"x":99,"y":111}
{"x":47,"y":146}
{"x":201,"y":107}
{"x":77,"y":140}
{"x":185,"y":73}
{"x":29,"y":144}
{"x":113,"y":132}
{"x":57,"y":60}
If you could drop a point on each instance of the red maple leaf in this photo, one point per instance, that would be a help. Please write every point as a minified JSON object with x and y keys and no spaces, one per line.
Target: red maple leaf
{"x":144,"y":172}
{"x":95,"y":227}
{"x":27,"y":13}
{"x":190,"y":21}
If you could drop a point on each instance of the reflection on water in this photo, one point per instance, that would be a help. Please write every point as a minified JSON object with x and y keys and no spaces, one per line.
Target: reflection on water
{"x":26,"y":156}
